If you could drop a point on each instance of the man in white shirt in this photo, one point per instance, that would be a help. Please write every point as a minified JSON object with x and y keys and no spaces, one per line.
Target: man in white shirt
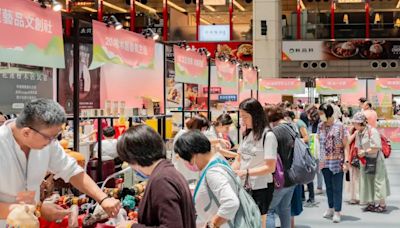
{"x":108,"y":145}
{"x":28,"y":150}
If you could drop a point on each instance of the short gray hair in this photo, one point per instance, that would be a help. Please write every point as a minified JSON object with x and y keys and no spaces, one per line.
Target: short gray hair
{"x":41,"y":112}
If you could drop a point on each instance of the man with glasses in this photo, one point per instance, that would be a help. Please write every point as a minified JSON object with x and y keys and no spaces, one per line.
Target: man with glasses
{"x":28,"y":150}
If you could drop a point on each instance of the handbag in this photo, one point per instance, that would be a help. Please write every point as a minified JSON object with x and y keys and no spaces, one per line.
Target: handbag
{"x":370,"y":167}
{"x":247,"y":185}
{"x":355,"y":162}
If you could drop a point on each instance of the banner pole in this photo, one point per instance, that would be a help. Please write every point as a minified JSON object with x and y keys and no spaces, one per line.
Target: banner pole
{"x":209,"y":90}
{"x":76,"y":85}
{"x":183,"y":105}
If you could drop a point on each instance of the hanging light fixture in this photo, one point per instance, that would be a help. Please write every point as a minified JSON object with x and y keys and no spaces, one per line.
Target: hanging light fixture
{"x":56,"y":6}
{"x":150,"y":33}
{"x":112,"y":21}
{"x":377,"y":18}
{"x":397,"y":23}
{"x":346,"y":18}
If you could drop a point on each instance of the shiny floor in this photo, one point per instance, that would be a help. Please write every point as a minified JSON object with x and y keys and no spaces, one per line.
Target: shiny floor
{"x":353,"y":217}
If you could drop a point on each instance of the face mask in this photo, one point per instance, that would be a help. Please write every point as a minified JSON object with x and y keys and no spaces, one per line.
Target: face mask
{"x":323,"y":118}
{"x":140,"y":174}
{"x":191,"y":167}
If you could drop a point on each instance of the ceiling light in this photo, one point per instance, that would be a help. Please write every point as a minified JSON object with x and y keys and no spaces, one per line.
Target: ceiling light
{"x":89,"y":9}
{"x":143,"y":6}
{"x":212,"y":9}
{"x":398,"y":4}
{"x":112,"y":20}
{"x":56,"y":6}
{"x":188,"y":48}
{"x":205,"y":21}
{"x":150,"y":33}
{"x":112,"y":6}
{"x":173,"y":5}
{"x":237,"y":4}
{"x":302,"y":6}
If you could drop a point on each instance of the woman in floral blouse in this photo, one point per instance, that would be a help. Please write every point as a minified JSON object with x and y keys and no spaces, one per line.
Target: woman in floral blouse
{"x":334,"y":148}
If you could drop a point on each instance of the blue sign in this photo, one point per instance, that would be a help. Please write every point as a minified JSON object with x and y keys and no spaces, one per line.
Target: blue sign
{"x":225,"y":98}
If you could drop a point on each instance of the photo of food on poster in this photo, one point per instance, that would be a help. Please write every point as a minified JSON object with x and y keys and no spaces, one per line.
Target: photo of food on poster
{"x":20,"y":84}
{"x":89,"y":81}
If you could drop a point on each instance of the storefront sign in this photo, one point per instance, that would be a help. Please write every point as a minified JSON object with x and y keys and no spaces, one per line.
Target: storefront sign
{"x":226,"y":74}
{"x":214,"y":33}
{"x":121,"y":47}
{"x":388,"y":85}
{"x":214,"y":90}
{"x":249,"y":78}
{"x":190,"y":66}
{"x":224,"y":98}
{"x":340,"y":50}
{"x":329,"y":86}
{"x":30,"y":34}
{"x":239,"y":50}
{"x":282,"y":86}
{"x":19,"y":86}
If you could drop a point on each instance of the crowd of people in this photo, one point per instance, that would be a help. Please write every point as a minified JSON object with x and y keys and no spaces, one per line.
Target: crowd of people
{"x":245,"y":185}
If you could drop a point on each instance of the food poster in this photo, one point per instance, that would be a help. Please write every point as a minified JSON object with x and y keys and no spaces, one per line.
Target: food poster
{"x":19,"y":84}
{"x":239,"y":50}
{"x":30,"y":34}
{"x":340,"y":50}
{"x":89,"y":81}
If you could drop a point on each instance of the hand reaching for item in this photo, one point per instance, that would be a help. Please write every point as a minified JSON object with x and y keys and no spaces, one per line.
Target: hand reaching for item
{"x":53,"y":212}
{"x":111,"y":206}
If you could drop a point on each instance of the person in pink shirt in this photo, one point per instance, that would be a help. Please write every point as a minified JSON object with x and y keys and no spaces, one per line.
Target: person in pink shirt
{"x":371,"y":115}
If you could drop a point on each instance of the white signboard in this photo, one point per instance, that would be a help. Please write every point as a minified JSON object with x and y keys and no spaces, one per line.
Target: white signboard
{"x":214,"y":33}
{"x":214,"y":2}
{"x":302,"y":50}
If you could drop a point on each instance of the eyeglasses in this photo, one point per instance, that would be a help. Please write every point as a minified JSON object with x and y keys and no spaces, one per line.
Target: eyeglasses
{"x":51,"y":139}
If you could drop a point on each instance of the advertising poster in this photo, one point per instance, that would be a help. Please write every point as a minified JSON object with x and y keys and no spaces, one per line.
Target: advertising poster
{"x":388,"y":85}
{"x":30,"y":34}
{"x":285,"y":86}
{"x":121,"y":47}
{"x":328,"y":86}
{"x":249,"y":79}
{"x":340,"y":50}
{"x":226,"y":74}
{"x":240,"y":50}
{"x":190,"y":66}
{"x":20,"y":84}
{"x":89,"y":81}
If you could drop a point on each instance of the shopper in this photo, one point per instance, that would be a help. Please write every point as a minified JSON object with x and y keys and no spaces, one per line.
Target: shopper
{"x":334,"y":148}
{"x":216,"y":134}
{"x":257,"y":157}
{"x":167,"y":201}
{"x":352,"y":186}
{"x":361,"y":102}
{"x":2,"y":119}
{"x":29,"y":149}
{"x":374,"y":184}
{"x":195,"y":149}
{"x":108,"y":145}
{"x":281,"y":201}
{"x":370,"y":114}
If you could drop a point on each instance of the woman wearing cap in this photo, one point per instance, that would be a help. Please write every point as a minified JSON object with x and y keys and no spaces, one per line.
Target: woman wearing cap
{"x":374,"y":186}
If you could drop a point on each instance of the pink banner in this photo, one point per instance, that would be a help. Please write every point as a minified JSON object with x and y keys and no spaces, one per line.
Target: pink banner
{"x":388,"y":85}
{"x":249,"y":78}
{"x":336,"y":85}
{"x":190,"y":66}
{"x":226,"y":73}
{"x":282,"y":86}
{"x":30,"y":34}
{"x":121,"y":47}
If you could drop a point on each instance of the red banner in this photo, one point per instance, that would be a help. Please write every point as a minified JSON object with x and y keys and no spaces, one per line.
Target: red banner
{"x":121,"y":47}
{"x":190,"y":66}
{"x":226,"y":73}
{"x":30,"y":34}
{"x":249,"y":78}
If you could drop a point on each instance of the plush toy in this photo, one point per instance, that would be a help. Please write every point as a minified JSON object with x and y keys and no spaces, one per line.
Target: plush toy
{"x":129,"y":202}
{"x":23,"y":216}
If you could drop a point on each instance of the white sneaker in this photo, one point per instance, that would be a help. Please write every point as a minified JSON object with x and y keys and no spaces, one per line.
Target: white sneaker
{"x":328,"y":213}
{"x":336,"y":218}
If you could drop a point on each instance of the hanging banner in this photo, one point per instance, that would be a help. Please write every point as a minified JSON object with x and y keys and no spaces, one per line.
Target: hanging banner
{"x":329,"y":86}
{"x":388,"y":85}
{"x":31,"y":35}
{"x":226,"y":74}
{"x":121,"y":47}
{"x":285,"y":86}
{"x":249,"y":78}
{"x":190,"y":66}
